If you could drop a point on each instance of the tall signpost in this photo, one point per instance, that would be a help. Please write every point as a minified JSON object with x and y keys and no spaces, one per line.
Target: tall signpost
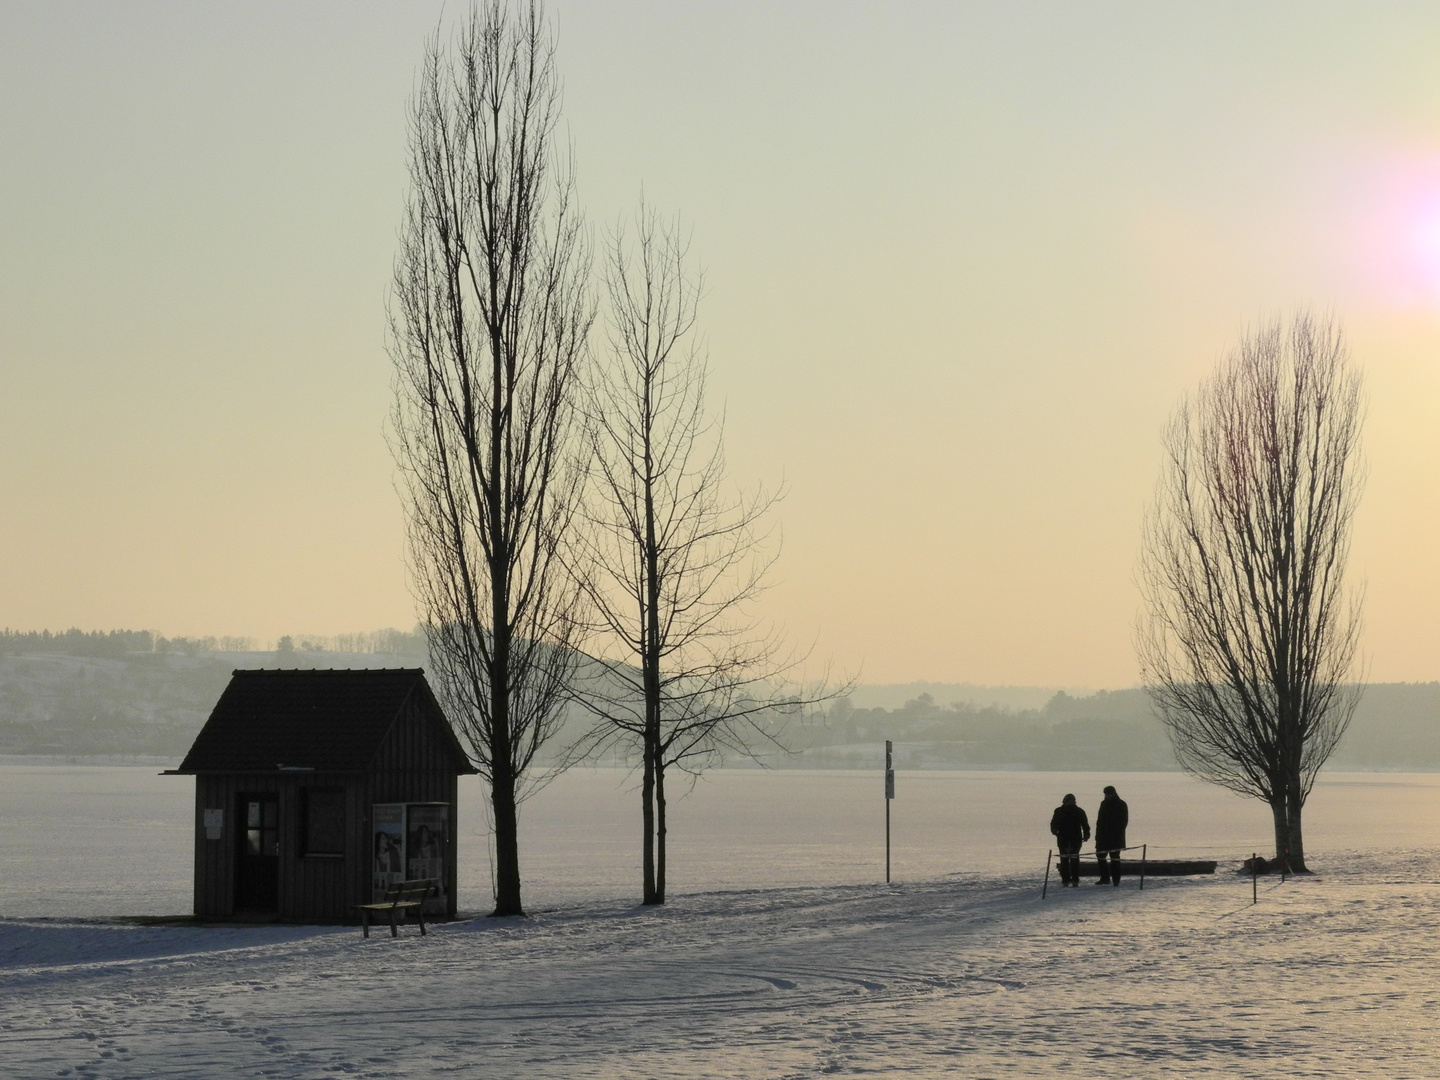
{"x":889,"y":794}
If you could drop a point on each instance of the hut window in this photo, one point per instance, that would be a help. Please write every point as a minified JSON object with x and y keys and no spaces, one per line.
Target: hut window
{"x":324,"y":827}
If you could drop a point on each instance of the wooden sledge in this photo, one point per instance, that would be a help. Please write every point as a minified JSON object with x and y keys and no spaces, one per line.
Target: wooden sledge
{"x":1152,"y":867}
{"x":1141,"y":868}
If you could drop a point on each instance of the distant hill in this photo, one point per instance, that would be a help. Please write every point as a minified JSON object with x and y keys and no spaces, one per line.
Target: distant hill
{"x":125,"y":693}
{"x":1104,"y":730}
{"x":54,"y":703}
{"x":1396,"y":727}
{"x":130,"y":693}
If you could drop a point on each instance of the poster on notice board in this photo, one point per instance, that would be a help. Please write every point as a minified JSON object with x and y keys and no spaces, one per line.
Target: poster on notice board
{"x":427,"y":840}
{"x":389,"y":847}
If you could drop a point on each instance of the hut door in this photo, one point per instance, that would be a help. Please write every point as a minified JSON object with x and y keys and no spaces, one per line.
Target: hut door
{"x":257,"y":877}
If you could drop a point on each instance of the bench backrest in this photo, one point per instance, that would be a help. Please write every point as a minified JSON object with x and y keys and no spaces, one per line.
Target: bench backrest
{"x":405,"y":891}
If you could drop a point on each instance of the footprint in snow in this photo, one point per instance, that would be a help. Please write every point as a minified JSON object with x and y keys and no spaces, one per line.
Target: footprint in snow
{"x":779,"y":984}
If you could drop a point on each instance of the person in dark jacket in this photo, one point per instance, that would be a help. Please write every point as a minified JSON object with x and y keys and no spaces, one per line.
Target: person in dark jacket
{"x":1071,"y":828}
{"x":1110,"y":822}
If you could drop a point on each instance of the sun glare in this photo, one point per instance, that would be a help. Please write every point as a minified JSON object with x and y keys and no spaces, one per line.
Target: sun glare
{"x":1399,"y":245}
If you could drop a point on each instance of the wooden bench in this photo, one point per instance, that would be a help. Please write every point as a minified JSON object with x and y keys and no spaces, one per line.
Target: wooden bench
{"x":399,"y":901}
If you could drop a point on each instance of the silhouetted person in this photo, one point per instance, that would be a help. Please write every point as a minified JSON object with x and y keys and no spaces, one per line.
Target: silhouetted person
{"x":1110,"y":822}
{"x":1071,"y":829}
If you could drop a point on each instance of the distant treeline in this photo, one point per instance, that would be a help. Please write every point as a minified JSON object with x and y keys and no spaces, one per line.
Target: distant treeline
{"x":115,"y":643}
{"x":398,"y":642}
{"x":118,"y":644}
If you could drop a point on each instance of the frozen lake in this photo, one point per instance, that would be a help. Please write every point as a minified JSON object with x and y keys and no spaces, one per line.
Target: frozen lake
{"x":93,"y":840}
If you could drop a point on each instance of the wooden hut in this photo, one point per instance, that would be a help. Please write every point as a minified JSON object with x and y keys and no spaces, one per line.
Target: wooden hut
{"x":314,"y":790}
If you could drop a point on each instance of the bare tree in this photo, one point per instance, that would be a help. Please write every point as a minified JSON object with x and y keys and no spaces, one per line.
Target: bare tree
{"x":489,"y":317}
{"x":671,"y":556}
{"x":1248,"y":638}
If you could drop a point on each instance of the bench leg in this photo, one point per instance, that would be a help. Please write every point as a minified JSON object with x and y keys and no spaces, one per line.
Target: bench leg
{"x":365,"y":921}
{"x":420,"y":914}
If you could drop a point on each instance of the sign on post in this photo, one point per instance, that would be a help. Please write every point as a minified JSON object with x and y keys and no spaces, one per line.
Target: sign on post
{"x":889,"y":794}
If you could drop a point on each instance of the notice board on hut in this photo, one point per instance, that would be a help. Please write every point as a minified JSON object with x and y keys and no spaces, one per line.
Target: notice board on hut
{"x":412,"y":841}
{"x":315,"y":789}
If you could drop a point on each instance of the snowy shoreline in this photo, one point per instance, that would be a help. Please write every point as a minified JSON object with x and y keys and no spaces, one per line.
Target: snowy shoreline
{"x":90,"y":841}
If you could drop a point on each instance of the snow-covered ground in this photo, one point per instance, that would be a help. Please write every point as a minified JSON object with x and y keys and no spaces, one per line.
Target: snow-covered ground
{"x":1333,"y":976}
{"x":781,"y":954}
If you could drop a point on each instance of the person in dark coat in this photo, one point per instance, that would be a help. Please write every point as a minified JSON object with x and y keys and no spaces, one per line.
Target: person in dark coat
{"x":1071,"y":828}
{"x":1110,"y":822}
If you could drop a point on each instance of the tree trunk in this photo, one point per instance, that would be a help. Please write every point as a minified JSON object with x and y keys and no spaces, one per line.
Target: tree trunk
{"x":1295,"y":841}
{"x":507,"y":846}
{"x":647,"y":815}
{"x":1282,"y":825}
{"x":502,"y":780}
{"x":660,"y":832}
{"x":650,"y":661}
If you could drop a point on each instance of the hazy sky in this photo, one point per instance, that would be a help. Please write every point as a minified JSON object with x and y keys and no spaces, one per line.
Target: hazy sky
{"x":963,"y":259}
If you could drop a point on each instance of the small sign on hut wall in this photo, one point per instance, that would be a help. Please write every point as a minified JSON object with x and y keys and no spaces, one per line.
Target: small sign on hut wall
{"x":214,"y":824}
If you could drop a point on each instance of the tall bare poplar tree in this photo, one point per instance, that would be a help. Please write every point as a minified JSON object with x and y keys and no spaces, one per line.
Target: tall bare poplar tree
{"x":670,"y":557}
{"x":1248,"y":638}
{"x":489,"y":317}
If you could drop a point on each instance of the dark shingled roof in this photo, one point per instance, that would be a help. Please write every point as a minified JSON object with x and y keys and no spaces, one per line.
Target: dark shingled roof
{"x":309,"y":719}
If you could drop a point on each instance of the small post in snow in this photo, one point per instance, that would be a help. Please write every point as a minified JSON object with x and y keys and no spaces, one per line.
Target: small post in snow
{"x":889,"y":794}
{"x":1254,"y":878}
{"x":1144,"y":851}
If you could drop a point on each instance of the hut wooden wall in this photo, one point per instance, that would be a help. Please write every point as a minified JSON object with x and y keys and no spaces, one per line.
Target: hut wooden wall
{"x":312,"y":888}
{"x":215,"y":859}
{"x":316,"y":888}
